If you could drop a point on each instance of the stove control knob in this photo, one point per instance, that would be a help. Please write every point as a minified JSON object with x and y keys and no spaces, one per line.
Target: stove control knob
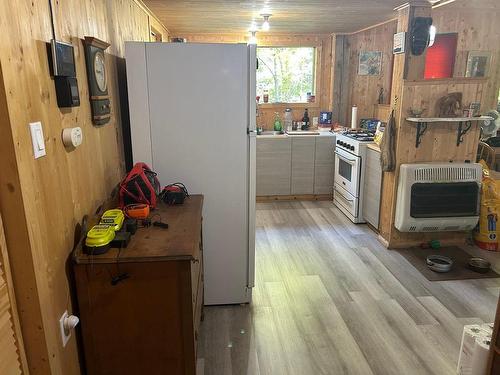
{"x":352,"y":148}
{"x":338,"y":142}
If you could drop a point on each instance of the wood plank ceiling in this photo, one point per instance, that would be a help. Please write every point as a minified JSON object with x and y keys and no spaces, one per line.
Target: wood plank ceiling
{"x":288,"y":16}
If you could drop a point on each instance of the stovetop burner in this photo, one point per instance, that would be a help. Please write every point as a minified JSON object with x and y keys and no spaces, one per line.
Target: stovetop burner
{"x":360,"y":135}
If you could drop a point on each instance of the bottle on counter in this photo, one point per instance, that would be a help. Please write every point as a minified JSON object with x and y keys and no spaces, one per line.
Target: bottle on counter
{"x":288,"y":119}
{"x":277,"y":122}
{"x":305,"y":120}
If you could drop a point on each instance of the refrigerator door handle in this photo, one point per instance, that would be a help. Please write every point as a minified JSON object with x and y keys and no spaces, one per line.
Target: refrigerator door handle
{"x":251,"y":131}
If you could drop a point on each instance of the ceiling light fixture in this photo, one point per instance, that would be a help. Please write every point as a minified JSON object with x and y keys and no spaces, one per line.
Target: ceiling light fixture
{"x":253,"y":37}
{"x":265,"y":25}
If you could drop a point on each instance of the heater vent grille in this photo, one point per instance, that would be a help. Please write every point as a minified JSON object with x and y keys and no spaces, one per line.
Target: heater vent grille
{"x":446,"y":174}
{"x":430,"y":229}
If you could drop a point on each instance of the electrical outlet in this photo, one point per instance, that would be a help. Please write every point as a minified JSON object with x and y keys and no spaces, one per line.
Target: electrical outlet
{"x":65,"y":333}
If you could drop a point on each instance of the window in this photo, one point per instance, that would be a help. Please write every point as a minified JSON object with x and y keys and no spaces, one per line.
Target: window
{"x":287,"y":73}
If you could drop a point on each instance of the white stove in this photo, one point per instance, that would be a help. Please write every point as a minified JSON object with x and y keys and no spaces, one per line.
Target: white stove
{"x":350,"y":152}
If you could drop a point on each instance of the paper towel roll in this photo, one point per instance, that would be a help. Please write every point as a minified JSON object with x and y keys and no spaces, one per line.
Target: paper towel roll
{"x":354,"y":117}
{"x":470,"y":334}
{"x":480,"y":356}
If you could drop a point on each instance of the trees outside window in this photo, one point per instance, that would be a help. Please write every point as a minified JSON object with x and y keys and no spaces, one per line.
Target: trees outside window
{"x":287,"y":73}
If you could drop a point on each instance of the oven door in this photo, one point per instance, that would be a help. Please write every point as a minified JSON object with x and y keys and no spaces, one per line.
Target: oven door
{"x":347,"y":171}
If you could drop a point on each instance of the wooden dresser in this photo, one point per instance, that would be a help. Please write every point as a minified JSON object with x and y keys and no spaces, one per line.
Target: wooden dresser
{"x":148,"y":322}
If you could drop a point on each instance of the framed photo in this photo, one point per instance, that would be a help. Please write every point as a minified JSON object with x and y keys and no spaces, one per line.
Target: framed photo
{"x":370,"y":63}
{"x":478,"y":64}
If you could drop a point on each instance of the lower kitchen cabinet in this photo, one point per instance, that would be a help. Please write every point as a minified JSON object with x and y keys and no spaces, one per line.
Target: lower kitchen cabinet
{"x":295,"y":165}
{"x":303,"y":150}
{"x":274,"y":161}
{"x":324,"y":165}
{"x":372,"y":187}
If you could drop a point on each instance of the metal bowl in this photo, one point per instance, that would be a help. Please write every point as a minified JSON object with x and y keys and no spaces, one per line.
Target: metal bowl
{"x":439,"y":263}
{"x":479,"y":265}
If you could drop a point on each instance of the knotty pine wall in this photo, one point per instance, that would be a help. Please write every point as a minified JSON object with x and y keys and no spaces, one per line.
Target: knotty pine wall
{"x":363,"y":91}
{"x":472,"y":20}
{"x":476,"y":22}
{"x":324,"y":76}
{"x":43,"y":200}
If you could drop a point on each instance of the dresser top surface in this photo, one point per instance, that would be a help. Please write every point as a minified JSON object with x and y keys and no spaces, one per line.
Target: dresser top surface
{"x":180,"y":241}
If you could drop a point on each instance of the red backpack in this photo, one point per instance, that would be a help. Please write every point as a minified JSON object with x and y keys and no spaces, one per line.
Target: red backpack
{"x":139,"y":186}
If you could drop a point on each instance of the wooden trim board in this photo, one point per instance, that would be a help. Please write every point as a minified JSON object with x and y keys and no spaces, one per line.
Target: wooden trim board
{"x":305,"y":197}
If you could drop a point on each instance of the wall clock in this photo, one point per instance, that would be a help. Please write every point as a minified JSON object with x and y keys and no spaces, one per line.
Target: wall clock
{"x":97,"y":76}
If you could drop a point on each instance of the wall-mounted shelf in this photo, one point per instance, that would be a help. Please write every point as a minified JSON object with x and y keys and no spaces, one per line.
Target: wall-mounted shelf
{"x":464,"y":125}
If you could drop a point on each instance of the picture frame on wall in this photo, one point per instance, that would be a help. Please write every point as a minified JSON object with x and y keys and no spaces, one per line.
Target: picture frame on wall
{"x":370,"y":63}
{"x":478,"y":64}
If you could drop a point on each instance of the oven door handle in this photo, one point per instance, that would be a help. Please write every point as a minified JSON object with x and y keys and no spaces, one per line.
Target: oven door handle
{"x":349,"y":161}
{"x":342,"y":195}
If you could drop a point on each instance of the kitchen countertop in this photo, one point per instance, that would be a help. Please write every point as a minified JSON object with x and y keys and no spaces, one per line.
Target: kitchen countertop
{"x":374,"y":147}
{"x":285,"y":136}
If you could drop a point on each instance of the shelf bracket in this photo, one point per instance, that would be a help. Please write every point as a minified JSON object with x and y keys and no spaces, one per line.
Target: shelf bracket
{"x":421,"y":128}
{"x":462,"y":130}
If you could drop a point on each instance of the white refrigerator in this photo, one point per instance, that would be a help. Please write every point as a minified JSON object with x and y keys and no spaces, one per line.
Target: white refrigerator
{"x":192,"y":119}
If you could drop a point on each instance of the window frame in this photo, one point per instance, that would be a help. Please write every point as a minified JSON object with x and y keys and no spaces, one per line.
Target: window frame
{"x":317,"y":58}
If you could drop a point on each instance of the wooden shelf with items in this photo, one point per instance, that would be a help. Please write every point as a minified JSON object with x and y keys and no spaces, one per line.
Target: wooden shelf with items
{"x":464,"y":125}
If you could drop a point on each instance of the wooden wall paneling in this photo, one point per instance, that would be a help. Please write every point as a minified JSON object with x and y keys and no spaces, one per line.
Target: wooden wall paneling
{"x":389,"y":178}
{"x":439,"y":142}
{"x":44,"y":199}
{"x":438,"y":145}
{"x":338,"y":68}
{"x":399,"y":70}
{"x":12,"y":355}
{"x":320,"y":16}
{"x":364,"y":90}
{"x":478,"y":31}
{"x":11,"y":203}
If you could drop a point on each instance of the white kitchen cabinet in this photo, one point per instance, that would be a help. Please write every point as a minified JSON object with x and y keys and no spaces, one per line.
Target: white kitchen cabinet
{"x":372,"y":187}
{"x":324,"y":165}
{"x":303,"y":151}
{"x":274,"y":157}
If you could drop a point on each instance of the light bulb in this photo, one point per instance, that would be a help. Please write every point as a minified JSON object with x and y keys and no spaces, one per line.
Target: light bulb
{"x":265,"y":26}
{"x":432,"y":35}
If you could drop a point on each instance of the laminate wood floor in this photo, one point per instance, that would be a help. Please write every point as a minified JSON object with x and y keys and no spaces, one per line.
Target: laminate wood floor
{"x":330,"y":299}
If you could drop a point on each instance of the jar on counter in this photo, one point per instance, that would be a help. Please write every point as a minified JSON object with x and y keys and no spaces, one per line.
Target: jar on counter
{"x":266,"y":96}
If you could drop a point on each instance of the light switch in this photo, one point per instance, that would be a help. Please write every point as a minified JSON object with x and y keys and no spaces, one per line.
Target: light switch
{"x":37,"y":139}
